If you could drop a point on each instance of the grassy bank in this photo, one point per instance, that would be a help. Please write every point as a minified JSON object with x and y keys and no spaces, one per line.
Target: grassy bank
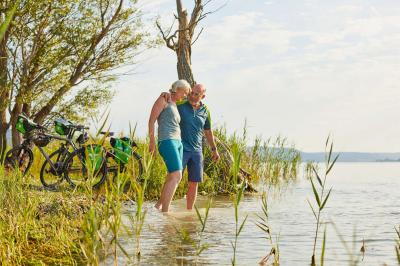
{"x":72,"y":227}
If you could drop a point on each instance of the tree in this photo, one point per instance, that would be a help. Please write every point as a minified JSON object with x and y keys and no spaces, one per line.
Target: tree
{"x":184,"y":36}
{"x":59,"y":56}
{"x":9,"y":15}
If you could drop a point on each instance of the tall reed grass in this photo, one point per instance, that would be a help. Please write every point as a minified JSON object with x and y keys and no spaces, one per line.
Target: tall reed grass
{"x":397,"y":247}
{"x":263,"y":224}
{"x":321,"y":198}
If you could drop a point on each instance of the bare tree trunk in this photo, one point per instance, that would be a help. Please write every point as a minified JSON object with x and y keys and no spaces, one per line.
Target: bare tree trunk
{"x":184,"y":66}
{"x":4,"y":96}
{"x":3,"y":135}
{"x":184,"y":49}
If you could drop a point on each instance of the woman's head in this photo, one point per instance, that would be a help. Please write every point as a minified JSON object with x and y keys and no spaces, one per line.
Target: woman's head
{"x":180,"y":88}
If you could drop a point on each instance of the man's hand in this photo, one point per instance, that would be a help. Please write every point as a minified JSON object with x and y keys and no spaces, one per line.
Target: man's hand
{"x":166,"y":96}
{"x":215,"y":155}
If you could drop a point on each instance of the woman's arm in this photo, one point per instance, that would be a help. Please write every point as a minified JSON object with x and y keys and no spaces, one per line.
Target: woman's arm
{"x":158,"y":106}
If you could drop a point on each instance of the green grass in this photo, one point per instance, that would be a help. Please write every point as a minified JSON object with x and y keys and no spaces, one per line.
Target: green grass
{"x":83,"y":226}
{"x":37,"y":227}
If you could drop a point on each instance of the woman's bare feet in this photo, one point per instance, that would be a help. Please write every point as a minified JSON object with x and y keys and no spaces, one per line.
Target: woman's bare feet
{"x":158,"y":205}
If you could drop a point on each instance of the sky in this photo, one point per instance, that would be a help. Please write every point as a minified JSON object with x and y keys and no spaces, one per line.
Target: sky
{"x":301,"y":69}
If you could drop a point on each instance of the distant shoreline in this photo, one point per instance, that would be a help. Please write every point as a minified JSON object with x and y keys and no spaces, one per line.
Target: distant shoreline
{"x":352,"y":157}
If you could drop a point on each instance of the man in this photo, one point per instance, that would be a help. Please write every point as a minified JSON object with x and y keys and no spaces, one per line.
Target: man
{"x":195,"y":123}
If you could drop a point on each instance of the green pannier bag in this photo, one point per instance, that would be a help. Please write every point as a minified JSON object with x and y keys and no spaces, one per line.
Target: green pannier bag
{"x":62,"y":126}
{"x":24,"y":125}
{"x":122,"y":149}
{"x":95,"y":155}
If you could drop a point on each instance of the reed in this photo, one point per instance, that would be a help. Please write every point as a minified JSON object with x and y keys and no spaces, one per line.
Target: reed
{"x":37,"y":227}
{"x":200,"y":247}
{"x":321,"y":198}
{"x":236,"y":153}
{"x":355,"y":254}
{"x":263,"y":224}
{"x":140,"y":189}
{"x":397,"y":247}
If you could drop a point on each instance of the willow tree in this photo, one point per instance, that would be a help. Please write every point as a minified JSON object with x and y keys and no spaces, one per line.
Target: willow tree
{"x":59,"y":56}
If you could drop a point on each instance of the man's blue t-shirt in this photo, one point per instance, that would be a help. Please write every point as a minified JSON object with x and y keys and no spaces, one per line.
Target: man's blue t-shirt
{"x":192,"y":124}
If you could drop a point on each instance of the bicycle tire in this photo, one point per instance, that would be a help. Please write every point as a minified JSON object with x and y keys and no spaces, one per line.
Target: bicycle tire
{"x":76,"y":163}
{"x":20,"y":153}
{"x":58,"y":173}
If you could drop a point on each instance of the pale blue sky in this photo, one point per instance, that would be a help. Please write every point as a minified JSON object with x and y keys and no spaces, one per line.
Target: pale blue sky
{"x":300,"y":68}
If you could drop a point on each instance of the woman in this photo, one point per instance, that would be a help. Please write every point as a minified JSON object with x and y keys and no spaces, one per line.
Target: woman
{"x":169,"y":139}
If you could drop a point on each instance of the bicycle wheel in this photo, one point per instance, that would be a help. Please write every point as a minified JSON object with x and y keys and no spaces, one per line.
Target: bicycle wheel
{"x":80,"y":171}
{"x":19,"y":158}
{"x":51,"y":177}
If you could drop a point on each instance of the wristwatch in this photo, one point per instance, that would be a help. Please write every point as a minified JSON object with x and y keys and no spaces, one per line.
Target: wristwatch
{"x":214,"y":148}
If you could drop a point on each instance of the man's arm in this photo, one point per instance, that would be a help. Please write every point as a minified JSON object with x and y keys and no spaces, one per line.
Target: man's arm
{"x":166,"y":96}
{"x":211,"y":141}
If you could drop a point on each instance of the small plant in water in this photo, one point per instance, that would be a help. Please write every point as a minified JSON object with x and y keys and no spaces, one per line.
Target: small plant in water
{"x":235,"y":168}
{"x":137,"y":220}
{"x":354,"y":255}
{"x":397,"y":247}
{"x":263,"y":224}
{"x":321,"y":198}
{"x":200,"y":247}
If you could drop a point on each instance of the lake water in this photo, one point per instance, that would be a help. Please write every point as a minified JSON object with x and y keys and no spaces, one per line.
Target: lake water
{"x":364,"y":204}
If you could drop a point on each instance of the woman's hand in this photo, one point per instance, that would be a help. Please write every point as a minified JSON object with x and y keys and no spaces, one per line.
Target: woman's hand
{"x":152,"y":147}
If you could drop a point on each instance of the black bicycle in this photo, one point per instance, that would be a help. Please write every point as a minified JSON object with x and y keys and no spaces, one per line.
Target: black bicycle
{"x":53,"y":168}
{"x":52,"y":171}
{"x":21,"y":156}
{"x":120,"y":158}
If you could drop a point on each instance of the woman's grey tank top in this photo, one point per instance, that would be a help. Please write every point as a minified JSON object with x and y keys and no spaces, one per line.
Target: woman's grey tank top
{"x":168,"y":123}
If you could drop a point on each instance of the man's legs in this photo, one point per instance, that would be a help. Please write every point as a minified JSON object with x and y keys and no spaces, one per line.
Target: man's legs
{"x":195,"y":175}
{"x":191,"y":194}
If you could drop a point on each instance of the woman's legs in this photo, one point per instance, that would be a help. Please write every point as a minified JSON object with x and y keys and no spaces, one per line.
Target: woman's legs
{"x":171,"y":151}
{"x":168,"y":191}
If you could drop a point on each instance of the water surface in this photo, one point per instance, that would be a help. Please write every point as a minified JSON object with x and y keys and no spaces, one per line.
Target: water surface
{"x":364,"y":204}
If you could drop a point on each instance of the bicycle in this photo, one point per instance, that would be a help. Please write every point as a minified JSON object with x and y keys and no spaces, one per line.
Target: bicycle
{"x":117,"y":159}
{"x":52,"y":170}
{"x":51,"y":176}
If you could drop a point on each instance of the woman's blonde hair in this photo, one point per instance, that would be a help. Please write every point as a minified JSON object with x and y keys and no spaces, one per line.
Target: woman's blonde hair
{"x":180,"y":85}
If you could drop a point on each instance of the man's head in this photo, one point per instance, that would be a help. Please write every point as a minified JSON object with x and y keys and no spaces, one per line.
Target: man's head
{"x":197,"y":94}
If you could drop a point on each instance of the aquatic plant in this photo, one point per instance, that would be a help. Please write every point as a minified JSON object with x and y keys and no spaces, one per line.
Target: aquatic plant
{"x":309,"y":169}
{"x":397,"y":247}
{"x":236,"y":153}
{"x":139,"y":186}
{"x":263,"y":224}
{"x":320,"y":197}
{"x":355,"y":254}
{"x":200,"y":247}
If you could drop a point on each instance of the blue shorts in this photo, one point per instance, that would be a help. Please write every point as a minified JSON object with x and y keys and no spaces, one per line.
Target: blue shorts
{"x":194,"y":162}
{"x":171,"y":151}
